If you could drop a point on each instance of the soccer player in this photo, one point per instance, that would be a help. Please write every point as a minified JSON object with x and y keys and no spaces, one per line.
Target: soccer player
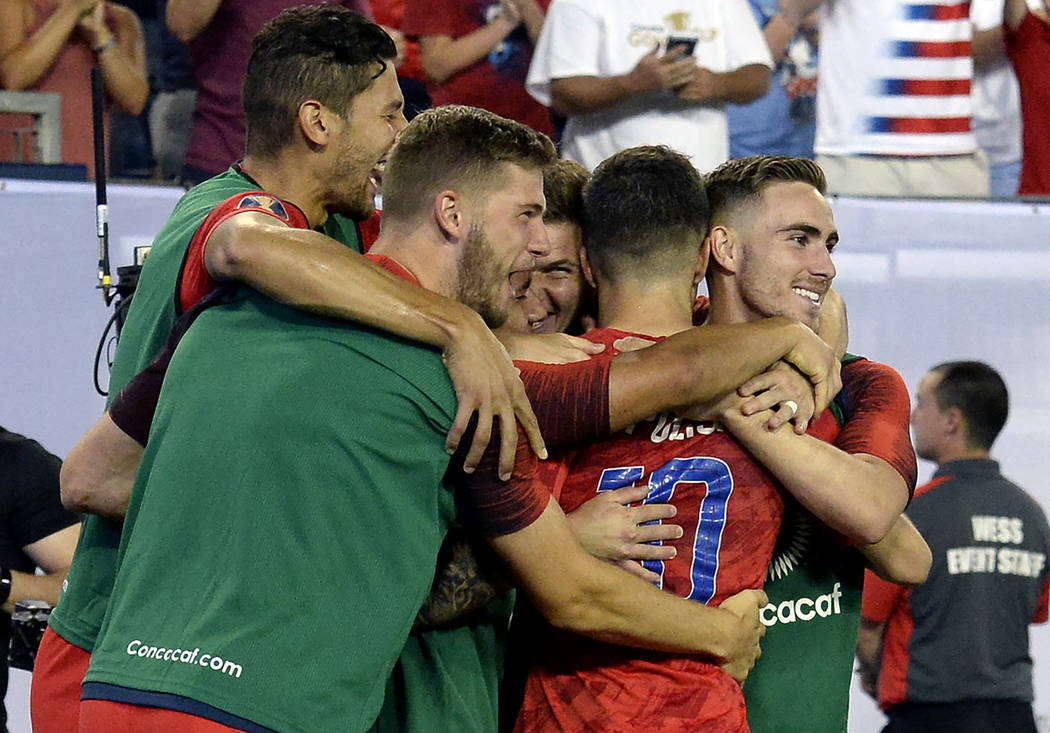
{"x":731,"y":524}
{"x":558,"y":298}
{"x":306,"y":436}
{"x":323,"y":108}
{"x":771,"y":241}
{"x":533,"y":565}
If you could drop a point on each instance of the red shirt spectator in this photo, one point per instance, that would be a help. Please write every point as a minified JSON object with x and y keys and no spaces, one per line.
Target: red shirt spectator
{"x":477,"y":52}
{"x":48,"y":46}
{"x":390,"y":14}
{"x":1028,"y":46}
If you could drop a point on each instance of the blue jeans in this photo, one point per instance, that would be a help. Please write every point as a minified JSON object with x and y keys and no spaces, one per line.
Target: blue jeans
{"x":1003,"y":178}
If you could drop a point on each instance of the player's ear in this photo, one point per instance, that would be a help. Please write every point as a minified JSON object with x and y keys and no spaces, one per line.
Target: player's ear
{"x":449,"y":215}
{"x":722,"y":247}
{"x":585,"y":268}
{"x":315,"y":122}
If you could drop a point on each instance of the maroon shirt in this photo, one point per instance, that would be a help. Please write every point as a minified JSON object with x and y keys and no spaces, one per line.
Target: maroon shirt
{"x":220,"y":60}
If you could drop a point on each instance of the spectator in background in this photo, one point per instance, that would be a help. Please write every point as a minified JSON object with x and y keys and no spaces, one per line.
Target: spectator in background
{"x":893,"y":100}
{"x":130,"y":155}
{"x":996,"y":103}
{"x":219,"y":34}
{"x":51,"y":45}
{"x":35,"y":531}
{"x":171,"y":114}
{"x":410,"y":75}
{"x":954,"y":651}
{"x":628,"y":73}
{"x":477,"y":52}
{"x":1028,"y":46}
{"x":783,"y":122}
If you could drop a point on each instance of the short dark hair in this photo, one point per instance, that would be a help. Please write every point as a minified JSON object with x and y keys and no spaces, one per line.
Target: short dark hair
{"x":641,"y":203}
{"x":322,"y":52}
{"x":563,"y":186}
{"x":979,"y":393}
{"x":742,"y":180}
{"x":455,"y":147}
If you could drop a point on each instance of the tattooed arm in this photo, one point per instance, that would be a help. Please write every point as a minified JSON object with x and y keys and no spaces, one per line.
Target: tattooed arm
{"x":469,"y":577}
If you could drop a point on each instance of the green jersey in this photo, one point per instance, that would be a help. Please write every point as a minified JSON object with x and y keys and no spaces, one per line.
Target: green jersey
{"x":78,"y":617}
{"x":801,"y":682}
{"x":448,"y":678}
{"x":285,"y":523}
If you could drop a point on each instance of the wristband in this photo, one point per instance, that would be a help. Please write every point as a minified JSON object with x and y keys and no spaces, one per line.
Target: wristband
{"x":105,"y":46}
{"x":5,"y":585}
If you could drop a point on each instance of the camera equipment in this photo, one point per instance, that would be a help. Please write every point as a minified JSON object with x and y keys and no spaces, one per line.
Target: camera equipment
{"x":127,"y":277}
{"x":28,"y":623}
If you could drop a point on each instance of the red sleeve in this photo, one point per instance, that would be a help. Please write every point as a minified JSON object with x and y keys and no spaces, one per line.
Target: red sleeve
{"x":1042,"y":611}
{"x":877,"y":416}
{"x":571,"y":401}
{"x":494,"y":507}
{"x":880,"y":597}
{"x":434,"y":18}
{"x":194,"y":281}
{"x":132,"y":410}
{"x":701,"y":307}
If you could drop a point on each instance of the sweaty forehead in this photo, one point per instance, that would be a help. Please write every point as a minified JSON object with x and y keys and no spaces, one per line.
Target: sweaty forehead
{"x":382,"y":92}
{"x":520,"y":184}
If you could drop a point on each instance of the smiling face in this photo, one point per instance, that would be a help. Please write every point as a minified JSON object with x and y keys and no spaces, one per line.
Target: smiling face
{"x":362,"y":140}
{"x":505,"y":238}
{"x":784,"y":246}
{"x":553,"y":297}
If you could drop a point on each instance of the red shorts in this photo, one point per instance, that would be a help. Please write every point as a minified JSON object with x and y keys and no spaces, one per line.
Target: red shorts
{"x":103,"y":716}
{"x":54,"y":698}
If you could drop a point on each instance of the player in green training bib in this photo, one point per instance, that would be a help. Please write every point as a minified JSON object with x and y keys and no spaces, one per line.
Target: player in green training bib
{"x":771,"y":243}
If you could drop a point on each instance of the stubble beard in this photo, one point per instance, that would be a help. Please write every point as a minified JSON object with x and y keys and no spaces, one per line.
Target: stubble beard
{"x":357,"y":204}
{"x":479,"y":280}
{"x":760,"y":299}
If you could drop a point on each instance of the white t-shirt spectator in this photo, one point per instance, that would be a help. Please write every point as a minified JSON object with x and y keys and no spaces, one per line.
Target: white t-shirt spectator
{"x":894,"y":78}
{"x":603,"y":39}
{"x":996,"y":98}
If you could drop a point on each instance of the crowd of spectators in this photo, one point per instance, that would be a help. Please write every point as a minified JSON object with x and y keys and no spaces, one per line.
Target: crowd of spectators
{"x":892,"y":98}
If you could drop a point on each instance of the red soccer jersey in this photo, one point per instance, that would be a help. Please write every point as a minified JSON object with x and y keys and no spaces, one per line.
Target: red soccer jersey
{"x":730,"y":509}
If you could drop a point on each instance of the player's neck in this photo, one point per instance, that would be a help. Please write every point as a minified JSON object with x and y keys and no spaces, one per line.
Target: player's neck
{"x":416,"y":250}
{"x":288,"y":182}
{"x":726,"y":306}
{"x":641,"y":308}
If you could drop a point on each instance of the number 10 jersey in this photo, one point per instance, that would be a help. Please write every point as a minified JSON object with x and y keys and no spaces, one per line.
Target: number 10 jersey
{"x":730,"y":509}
